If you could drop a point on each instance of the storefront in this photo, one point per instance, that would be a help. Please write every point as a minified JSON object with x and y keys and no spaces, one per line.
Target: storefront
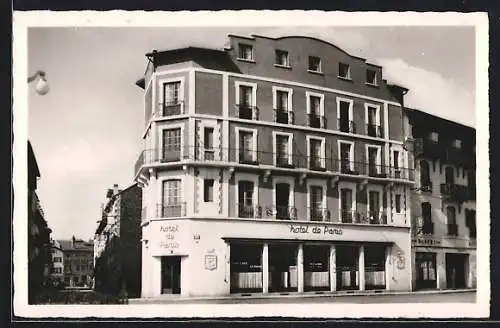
{"x":191,"y":258}
{"x":443,"y":263}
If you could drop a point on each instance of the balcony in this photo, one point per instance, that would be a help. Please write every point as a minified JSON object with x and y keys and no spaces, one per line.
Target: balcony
{"x":316,"y":121}
{"x":471,"y":193}
{"x":269,"y":159}
{"x":452,"y":229}
{"x":373,"y":130}
{"x":249,"y":211}
{"x":426,"y":186}
{"x":319,"y":214}
{"x":372,"y":217}
{"x":422,"y":226}
{"x":454,"y":192}
{"x":346,"y":126}
{"x":246,"y":112}
{"x":171,"y":210}
{"x":284,"y":116}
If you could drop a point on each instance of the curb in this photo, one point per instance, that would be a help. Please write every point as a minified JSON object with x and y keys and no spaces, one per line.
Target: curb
{"x":295,"y":295}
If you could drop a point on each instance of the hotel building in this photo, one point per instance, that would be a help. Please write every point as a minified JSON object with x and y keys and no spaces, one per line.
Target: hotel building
{"x":273,"y":165}
{"x":444,"y":203}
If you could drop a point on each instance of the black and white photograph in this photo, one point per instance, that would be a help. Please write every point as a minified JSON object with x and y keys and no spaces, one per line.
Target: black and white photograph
{"x":302,"y":164}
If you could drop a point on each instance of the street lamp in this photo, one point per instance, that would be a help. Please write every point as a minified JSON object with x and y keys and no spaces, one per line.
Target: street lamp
{"x":42,"y":86}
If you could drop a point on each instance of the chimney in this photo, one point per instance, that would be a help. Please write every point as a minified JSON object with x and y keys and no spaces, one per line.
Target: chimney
{"x":115,"y":189}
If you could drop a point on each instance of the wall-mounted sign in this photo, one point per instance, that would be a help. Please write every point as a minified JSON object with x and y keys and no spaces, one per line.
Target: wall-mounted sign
{"x":168,"y":238}
{"x":210,"y":262}
{"x":313,"y":229}
{"x":427,"y":242}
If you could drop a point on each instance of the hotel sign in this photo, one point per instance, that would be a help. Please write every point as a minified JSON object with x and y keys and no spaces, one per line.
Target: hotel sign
{"x":427,"y":242}
{"x":445,"y":242}
{"x":317,"y":230}
{"x":168,"y":239}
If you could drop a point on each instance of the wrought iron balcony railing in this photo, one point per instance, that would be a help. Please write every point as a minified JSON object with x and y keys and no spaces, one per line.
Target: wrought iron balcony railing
{"x":316,"y":121}
{"x":171,"y":210}
{"x":454,"y":192}
{"x":319,"y":214}
{"x":170,"y":108}
{"x":346,"y":126}
{"x":247,"y":112}
{"x":372,"y":217}
{"x":284,"y":116}
{"x":374,"y":130}
{"x":180,"y":154}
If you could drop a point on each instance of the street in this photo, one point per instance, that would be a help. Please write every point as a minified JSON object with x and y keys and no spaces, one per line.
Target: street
{"x":448,"y":297}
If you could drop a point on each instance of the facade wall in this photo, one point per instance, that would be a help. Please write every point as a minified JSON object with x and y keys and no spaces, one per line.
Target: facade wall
{"x":199,"y":279}
{"x":208,"y":93}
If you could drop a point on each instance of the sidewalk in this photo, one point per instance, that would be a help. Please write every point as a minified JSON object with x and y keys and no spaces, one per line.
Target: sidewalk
{"x":243,"y":297}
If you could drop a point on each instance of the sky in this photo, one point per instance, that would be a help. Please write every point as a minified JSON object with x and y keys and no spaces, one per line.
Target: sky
{"x":86,"y":132}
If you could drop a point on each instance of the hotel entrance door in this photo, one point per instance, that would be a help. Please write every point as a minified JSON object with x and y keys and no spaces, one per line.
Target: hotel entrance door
{"x":171,"y":275}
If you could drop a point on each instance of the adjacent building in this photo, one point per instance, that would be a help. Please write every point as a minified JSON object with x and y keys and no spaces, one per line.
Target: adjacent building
{"x":39,"y":246}
{"x":57,"y":272}
{"x":117,"y":242}
{"x":444,"y":203}
{"x":78,"y":262}
{"x":273,"y":165}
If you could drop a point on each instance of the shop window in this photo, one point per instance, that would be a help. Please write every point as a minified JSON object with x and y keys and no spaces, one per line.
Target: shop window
{"x":246,"y":267}
{"x":374,"y":267}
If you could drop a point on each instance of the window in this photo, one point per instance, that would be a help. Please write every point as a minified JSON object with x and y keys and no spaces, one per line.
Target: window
{"x":346,"y":164}
{"x":434,"y":136}
{"x":316,"y":153}
{"x":282,"y":58}
{"x":373,"y":121}
{"x":171,"y":144}
{"x":395,"y":164}
{"x":246,"y":144}
{"x":246,"y":98}
{"x":281,"y":100}
{"x":171,"y":202}
{"x":208,"y":190}
{"x":344,"y":71}
{"x":425,"y":177}
{"x":315,"y":110}
{"x":316,"y":201}
{"x":245,"y":52}
{"x":371,"y":77}
{"x":171,"y":93}
{"x":451,"y":219}
{"x":344,"y":115}
{"x":314,"y":64}
{"x":398,"y":203}
{"x":283,"y":149}
{"x":457,"y":143}
{"x":245,"y":199}
{"x":346,"y":205}
{"x":374,"y":206}
{"x":373,"y":161}
{"x":208,"y":143}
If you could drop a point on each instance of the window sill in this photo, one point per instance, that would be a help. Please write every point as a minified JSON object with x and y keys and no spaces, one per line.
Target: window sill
{"x":283,"y":66}
{"x":246,"y":60}
{"x":347,"y":79}
{"x":372,"y":85}
{"x":315,"y":72}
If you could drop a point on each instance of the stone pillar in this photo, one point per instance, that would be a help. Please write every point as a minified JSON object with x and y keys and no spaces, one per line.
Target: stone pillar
{"x":155,"y":276}
{"x":300,"y":268}
{"x":333,"y":268}
{"x":388,"y":267}
{"x":265,"y":268}
{"x":361,"y":264}
{"x":440,"y":270}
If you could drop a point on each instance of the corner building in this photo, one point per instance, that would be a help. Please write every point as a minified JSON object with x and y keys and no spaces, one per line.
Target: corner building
{"x":444,"y":203}
{"x":274,"y":165}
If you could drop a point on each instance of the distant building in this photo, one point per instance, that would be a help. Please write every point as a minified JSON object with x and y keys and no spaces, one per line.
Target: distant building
{"x":39,"y":248}
{"x":57,"y":272}
{"x":78,"y":262}
{"x":117,"y":242}
{"x":444,"y":203}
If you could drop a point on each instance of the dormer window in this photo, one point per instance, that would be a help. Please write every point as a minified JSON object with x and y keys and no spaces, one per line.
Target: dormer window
{"x":344,"y":71}
{"x":457,"y":143}
{"x":282,"y":58}
{"x":434,"y":137}
{"x":245,"y":52}
{"x":314,"y":64}
{"x":371,"y":77}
